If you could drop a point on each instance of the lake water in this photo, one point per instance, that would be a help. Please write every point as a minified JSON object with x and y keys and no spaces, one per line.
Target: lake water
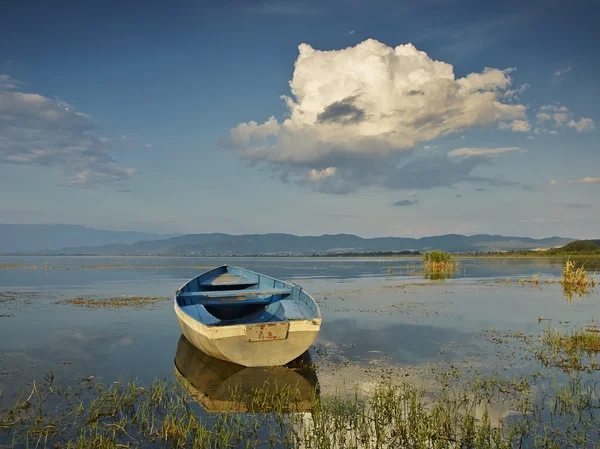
{"x":368,"y":313}
{"x":377,"y":314}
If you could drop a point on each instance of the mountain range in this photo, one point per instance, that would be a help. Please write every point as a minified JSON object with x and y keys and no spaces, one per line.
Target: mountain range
{"x":25,"y":238}
{"x":68,"y":239}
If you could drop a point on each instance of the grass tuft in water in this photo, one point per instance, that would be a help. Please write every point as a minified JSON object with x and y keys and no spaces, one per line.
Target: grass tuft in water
{"x":573,"y":349}
{"x":439,"y":264}
{"x":462,"y":413}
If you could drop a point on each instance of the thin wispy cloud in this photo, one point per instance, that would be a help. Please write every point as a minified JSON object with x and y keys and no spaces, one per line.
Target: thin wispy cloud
{"x":403,"y":203}
{"x":517,"y":92}
{"x":578,"y":205}
{"x":559,"y":74}
{"x":284,"y":8}
{"x":355,"y":131}
{"x":8,"y":83}
{"x":40,"y":131}
{"x":475,"y":36}
{"x":470,"y":152}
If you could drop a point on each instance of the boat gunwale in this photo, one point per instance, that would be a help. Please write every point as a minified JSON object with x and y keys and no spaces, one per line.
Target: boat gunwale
{"x":236,"y":330}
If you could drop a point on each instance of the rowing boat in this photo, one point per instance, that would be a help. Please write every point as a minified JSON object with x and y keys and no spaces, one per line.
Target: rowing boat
{"x":247,"y":318}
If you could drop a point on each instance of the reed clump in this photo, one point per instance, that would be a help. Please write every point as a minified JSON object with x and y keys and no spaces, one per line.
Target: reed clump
{"x":576,"y":277}
{"x":439,"y":262}
{"x":575,"y":280}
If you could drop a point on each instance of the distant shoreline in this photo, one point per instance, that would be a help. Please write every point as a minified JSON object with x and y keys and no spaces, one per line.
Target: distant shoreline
{"x":323,"y":256}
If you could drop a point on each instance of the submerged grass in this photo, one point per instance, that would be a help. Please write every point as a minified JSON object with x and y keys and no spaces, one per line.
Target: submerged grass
{"x":116,"y":302}
{"x":392,"y":415}
{"x":570,"y":350}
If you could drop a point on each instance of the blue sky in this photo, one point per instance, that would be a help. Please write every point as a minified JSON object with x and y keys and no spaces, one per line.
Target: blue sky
{"x":403,"y":118}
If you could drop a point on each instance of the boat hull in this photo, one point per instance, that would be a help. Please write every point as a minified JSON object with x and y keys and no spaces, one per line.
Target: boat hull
{"x":240,"y":343}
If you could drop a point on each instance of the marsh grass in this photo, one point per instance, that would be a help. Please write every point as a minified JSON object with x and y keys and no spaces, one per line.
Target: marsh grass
{"x":395,"y":414}
{"x":116,"y":302}
{"x":576,"y":277}
{"x":575,"y":280}
{"x":573,"y":349}
{"x":439,"y":265}
{"x":128,"y":415}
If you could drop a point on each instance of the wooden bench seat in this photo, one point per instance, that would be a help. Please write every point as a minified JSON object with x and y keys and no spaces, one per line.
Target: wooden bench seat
{"x":231,"y":297}
{"x":228,"y":279}
{"x":232,"y":293}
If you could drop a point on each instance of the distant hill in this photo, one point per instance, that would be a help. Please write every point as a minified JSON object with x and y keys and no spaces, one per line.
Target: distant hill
{"x":22,"y":238}
{"x":287,"y":244}
{"x":578,"y":247}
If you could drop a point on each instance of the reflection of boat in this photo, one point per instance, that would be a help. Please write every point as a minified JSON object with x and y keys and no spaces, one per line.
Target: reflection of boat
{"x":221,"y":386}
{"x":247,"y":318}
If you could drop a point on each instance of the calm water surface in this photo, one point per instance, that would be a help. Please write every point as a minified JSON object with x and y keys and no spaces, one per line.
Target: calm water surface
{"x":374,"y":312}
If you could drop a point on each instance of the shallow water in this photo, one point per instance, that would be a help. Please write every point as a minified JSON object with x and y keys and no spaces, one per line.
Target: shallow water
{"x":375,"y":314}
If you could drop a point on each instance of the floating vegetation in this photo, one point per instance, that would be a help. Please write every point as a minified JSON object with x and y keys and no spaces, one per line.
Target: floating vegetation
{"x":10,"y":296}
{"x":116,"y":302}
{"x":17,"y":266}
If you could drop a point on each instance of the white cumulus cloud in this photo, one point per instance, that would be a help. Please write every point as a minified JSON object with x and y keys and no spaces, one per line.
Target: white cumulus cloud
{"x":561,"y":116}
{"x":362,"y":106}
{"x":521,"y":126}
{"x":584,"y":124}
{"x":315,"y":175}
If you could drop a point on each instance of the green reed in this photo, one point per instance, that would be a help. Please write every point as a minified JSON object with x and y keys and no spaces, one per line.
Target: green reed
{"x":458,"y":412}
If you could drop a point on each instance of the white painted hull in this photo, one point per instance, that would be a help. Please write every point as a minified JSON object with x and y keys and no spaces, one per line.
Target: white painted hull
{"x":231,"y":343}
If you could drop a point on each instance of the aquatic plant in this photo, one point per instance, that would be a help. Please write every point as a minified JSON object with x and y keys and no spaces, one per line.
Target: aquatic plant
{"x":439,"y":262}
{"x":573,"y":349}
{"x":576,"y":276}
{"x":575,"y":280}
{"x":115,"y":302}
{"x":392,"y":415}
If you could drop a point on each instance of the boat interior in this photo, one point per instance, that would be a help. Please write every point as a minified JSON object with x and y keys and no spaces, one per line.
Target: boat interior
{"x":230,"y":295}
